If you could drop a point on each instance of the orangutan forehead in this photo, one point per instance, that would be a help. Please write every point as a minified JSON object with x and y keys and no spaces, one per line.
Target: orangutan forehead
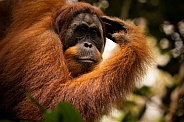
{"x":87,"y":18}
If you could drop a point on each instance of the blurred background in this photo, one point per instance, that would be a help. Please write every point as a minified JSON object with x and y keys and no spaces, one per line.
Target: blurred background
{"x":160,"y":98}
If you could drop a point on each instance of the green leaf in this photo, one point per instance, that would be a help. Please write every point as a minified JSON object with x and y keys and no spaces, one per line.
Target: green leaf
{"x":64,"y":112}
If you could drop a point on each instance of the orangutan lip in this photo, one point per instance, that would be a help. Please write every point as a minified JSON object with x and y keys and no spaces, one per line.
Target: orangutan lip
{"x":86,"y":60}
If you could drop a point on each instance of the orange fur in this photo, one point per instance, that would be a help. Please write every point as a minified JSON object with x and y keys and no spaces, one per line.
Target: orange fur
{"x":5,"y":9}
{"x":32,"y":61}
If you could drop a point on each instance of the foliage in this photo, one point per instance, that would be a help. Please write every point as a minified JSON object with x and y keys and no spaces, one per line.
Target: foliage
{"x":64,"y":112}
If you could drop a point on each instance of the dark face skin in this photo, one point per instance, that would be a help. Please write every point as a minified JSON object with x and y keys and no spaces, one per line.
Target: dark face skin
{"x":85,"y":27}
{"x":85,"y":33}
